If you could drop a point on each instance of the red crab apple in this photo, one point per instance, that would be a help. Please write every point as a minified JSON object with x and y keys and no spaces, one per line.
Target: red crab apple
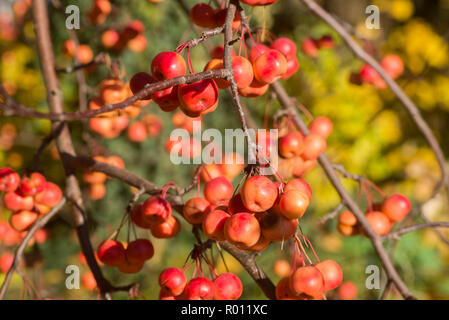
{"x":347,"y":291}
{"x":283,"y":290}
{"x":293,"y":204}
{"x":285,"y":46}
{"x":242,"y":229}
{"x":235,"y":205}
{"x":109,"y":38}
{"x":275,"y":227}
{"x":137,"y":132}
{"x":292,"y":67}
{"x":156,"y":210}
{"x":291,"y":145}
{"x":310,"y":47}
{"x":393,"y":65}
{"x":258,"y":2}
{"x":256,"y":51}
{"x":195,"y":209}
{"x":137,"y":217}
{"x":32,"y":184}
{"x":307,"y":280}
{"x":227,"y":287}
{"x":6,"y":261}
{"x":282,"y":268}
{"x":139,"y":251}
{"x":213,"y":224}
{"x":88,"y":281}
{"x":255,"y":89}
{"x":202,"y":15}
{"x":258,"y":194}
{"x":9,"y":180}
{"x":199,"y":288}
{"x":167,"y":65}
{"x":173,"y":279}
{"x":396,"y":207}
{"x":314,"y":145}
{"x":22,"y":220}
{"x":332,"y":274}
{"x":139,"y":81}
{"x":301,"y":185}
{"x":326,"y":42}
{"x":270,"y":66}
{"x":217,"y":190}
{"x":321,"y":126}
{"x":128,"y":267}
{"x":379,"y":222}
{"x":15,"y":200}
{"x":166,"y":229}
{"x":195,"y":98}
{"x":111,"y":253}
{"x":50,"y":196}
{"x":167,"y":99}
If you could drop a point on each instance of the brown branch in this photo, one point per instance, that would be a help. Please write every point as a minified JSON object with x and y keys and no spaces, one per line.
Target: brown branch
{"x":395,"y":88}
{"x":21,"y":248}
{"x":397,"y":233}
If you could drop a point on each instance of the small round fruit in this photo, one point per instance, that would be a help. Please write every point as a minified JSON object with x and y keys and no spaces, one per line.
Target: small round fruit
{"x":307,"y":280}
{"x":301,"y":185}
{"x":270,"y":66}
{"x":321,"y":126}
{"x":396,"y":207}
{"x":213,"y":224}
{"x":275,"y":227}
{"x":156,"y":210}
{"x":379,"y":222}
{"x":293,"y":204}
{"x":139,"y":81}
{"x":167,"y":65}
{"x":286,"y":46}
{"x":258,"y":194}
{"x":111,"y":253}
{"x":167,"y":229}
{"x":194,"y":210}
{"x":139,"y":250}
{"x":227,"y":287}
{"x":9,"y":180}
{"x":242,"y":229}
{"x":332,"y":274}
{"x":202,"y":15}
{"x":173,"y":279}
{"x":347,"y":291}
{"x":314,"y":145}
{"x":291,"y":145}
{"x":22,"y":220}
{"x":218,"y":190}
{"x":199,"y":288}
{"x":282,"y":268}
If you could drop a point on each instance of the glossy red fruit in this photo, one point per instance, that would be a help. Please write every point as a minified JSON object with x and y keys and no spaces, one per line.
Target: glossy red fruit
{"x":227,"y":287}
{"x":379,"y":222}
{"x":332,"y":274}
{"x":195,"y":98}
{"x":15,"y":200}
{"x":199,"y":288}
{"x":258,"y":193}
{"x":393,"y":65}
{"x":6,"y":261}
{"x":301,"y":185}
{"x":256,"y":51}
{"x":167,"y":229}
{"x":9,"y":180}
{"x":321,"y":126}
{"x":111,"y":253}
{"x":22,"y":220}
{"x":213,"y":224}
{"x":110,"y":38}
{"x":396,"y":207}
{"x":270,"y":66}
{"x":167,"y":99}
{"x":261,"y":245}
{"x":202,"y":15}
{"x":236,"y":205}
{"x":32,"y":184}
{"x":309,"y":47}
{"x":307,"y":280}
{"x":50,"y":196}
{"x":139,"y":250}
{"x":217,"y":190}
{"x":285,"y":46}
{"x":291,"y":145}
{"x":275,"y":227}
{"x":137,"y":132}
{"x":128,"y":267}
{"x":242,"y":229}
{"x":243,"y":71}
{"x":292,"y":68}
{"x":347,"y":291}
{"x":293,"y":204}
{"x":88,"y":281}
{"x":173,"y":279}
{"x":137,"y":217}
{"x":282,"y":268}
{"x":314,"y":145}
{"x":156,"y":210}
{"x":195,"y":210}
{"x":138,"y":83}
{"x":347,"y":218}
{"x":255,"y":89}
{"x":167,"y":65}
{"x":283,"y":291}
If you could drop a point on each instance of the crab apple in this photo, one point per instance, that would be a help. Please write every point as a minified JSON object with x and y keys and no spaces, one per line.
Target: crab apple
{"x":9,"y":179}
{"x":217,"y":190}
{"x":167,"y":65}
{"x":275,"y":227}
{"x":235,"y":205}
{"x":167,"y":99}
{"x":94,"y":177}
{"x":396,"y":207}
{"x":153,"y":124}
{"x":128,"y":267}
{"x":84,"y":54}
{"x":109,"y":38}
{"x":347,"y":218}
{"x":166,"y":229}
{"x":307,"y":280}
{"x":282,"y":268}
{"x":256,"y":51}
{"x":261,"y":245}
{"x":197,"y":97}
{"x":227,"y":287}
{"x":393,"y":65}
{"x":88,"y":281}
{"x":139,"y":81}
{"x":283,"y":290}
{"x":314,"y":145}
{"x":111,"y":253}
{"x":258,"y":2}
{"x":310,"y":47}
{"x":202,"y":15}
{"x":308,"y":164}
{"x":347,"y":230}
{"x":22,"y":220}
{"x":173,"y":279}
{"x":291,"y":145}
{"x":293,"y":204}
{"x":139,"y":251}
{"x":211,"y":171}
{"x":214,"y":223}
{"x":379,"y":222}
{"x":165,"y":294}
{"x":255,"y":89}
{"x":137,"y":44}
{"x":332,"y":274}
{"x":138,"y":219}
{"x":114,"y":93}
{"x":195,"y":209}
{"x":50,"y":196}
{"x":368,"y":74}
{"x":301,"y":185}
{"x":137,"y":132}
{"x":270,"y":66}
{"x":132,"y":29}
{"x":242,"y":229}
{"x":292,"y":68}
{"x":285,"y":46}
{"x":97,"y":103}
{"x":199,"y":288}
{"x":15,"y":201}
{"x":321,"y":126}
{"x":41,"y":235}
{"x":347,"y":291}
{"x":220,"y":18}
{"x":97,"y":191}
{"x":156,"y":209}
{"x":258,"y":193}
{"x":325,"y":42}
{"x":6,"y":261}
{"x":32,"y":184}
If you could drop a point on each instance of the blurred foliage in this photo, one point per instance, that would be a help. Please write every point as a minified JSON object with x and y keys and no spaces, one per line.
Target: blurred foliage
{"x":372,"y":135}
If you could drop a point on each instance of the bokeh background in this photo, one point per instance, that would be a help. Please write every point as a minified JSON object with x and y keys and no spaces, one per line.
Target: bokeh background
{"x":372,"y":134}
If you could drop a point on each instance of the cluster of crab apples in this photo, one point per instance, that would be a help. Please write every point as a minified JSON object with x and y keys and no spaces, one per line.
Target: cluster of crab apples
{"x":29,"y":197}
{"x":174,"y":286}
{"x":391,"y":63}
{"x":381,"y":217}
